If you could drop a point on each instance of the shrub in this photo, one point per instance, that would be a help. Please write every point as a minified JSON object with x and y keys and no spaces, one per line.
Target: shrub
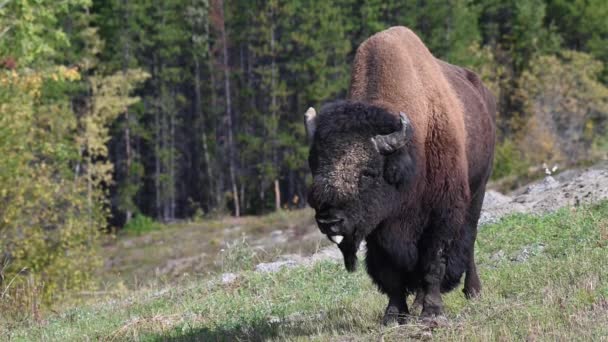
{"x":508,"y":161}
{"x":567,"y":107}
{"x":49,"y":217}
{"x":141,"y":224}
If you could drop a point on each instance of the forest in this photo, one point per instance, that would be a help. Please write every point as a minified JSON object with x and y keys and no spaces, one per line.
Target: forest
{"x":120,"y":110}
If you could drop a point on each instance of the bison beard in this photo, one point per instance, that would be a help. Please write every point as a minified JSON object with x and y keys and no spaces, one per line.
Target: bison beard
{"x":349,"y":247}
{"x":403,"y":164}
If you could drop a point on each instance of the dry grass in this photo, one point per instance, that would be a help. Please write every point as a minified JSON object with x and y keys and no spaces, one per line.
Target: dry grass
{"x":198,"y":248}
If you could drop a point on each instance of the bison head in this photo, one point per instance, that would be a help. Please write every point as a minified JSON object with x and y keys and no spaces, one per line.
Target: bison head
{"x":359,"y":160}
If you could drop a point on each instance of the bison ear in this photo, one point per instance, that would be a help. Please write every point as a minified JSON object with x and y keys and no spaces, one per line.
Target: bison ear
{"x":399,"y":168}
{"x":311,"y":122}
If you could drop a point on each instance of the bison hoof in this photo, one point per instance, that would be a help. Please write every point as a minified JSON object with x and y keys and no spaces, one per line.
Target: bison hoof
{"x":419,"y":301}
{"x":471,"y":293}
{"x":350,"y":264}
{"x":435,"y":321}
{"x":431,"y":311}
{"x":393,"y":316}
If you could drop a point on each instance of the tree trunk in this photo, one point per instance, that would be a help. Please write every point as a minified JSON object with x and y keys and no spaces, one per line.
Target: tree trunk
{"x":157,"y":147}
{"x":172,"y":164}
{"x":277,"y":195}
{"x":219,"y":181}
{"x":125,"y":65}
{"x":274,"y":109}
{"x":201,"y":116}
{"x":231,"y":152}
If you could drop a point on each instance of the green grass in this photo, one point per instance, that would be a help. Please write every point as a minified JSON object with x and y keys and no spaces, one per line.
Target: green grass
{"x":544,"y":278}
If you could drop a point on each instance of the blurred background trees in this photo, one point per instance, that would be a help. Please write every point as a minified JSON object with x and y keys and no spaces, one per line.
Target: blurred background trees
{"x":113,"y":109}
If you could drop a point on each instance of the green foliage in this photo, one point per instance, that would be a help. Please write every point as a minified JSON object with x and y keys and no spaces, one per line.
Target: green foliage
{"x":582,"y":24}
{"x":30,"y":31}
{"x":508,"y":161}
{"x":285,"y":56}
{"x":141,"y":224}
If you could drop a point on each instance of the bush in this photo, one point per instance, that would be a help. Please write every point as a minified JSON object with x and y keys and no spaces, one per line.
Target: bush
{"x":508,"y":161}
{"x":141,"y":224}
{"x":567,"y":107}
{"x":49,"y":217}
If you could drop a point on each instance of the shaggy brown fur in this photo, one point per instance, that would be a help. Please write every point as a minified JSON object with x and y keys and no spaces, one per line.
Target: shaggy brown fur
{"x":417,"y":207}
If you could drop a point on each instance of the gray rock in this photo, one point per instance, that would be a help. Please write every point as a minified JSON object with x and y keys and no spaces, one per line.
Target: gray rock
{"x":494,"y":199}
{"x":528,"y":251}
{"x":547,"y":183}
{"x":498,"y":256}
{"x":272,"y":267}
{"x":575,"y":187}
{"x":278,"y":237}
{"x":229,"y":278}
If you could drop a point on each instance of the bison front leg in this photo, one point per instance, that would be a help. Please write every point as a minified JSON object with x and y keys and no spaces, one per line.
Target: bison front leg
{"x":419,"y":300}
{"x":390,"y":281}
{"x":434,"y":271}
{"x":396,"y":311}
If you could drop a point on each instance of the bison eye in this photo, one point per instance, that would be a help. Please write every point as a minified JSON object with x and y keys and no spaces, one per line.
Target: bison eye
{"x":369,"y":173}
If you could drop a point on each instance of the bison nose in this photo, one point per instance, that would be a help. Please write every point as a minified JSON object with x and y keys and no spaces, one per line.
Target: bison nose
{"x":328,"y":224}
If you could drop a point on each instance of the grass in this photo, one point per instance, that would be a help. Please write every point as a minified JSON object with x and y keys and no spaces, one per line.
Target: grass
{"x":149,"y":251}
{"x":545,"y":278}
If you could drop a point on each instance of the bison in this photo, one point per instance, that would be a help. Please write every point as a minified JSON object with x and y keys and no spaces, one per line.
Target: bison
{"x":403,"y":163}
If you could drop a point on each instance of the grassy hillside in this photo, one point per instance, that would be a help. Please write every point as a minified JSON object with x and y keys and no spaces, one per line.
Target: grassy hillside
{"x":545,"y":278}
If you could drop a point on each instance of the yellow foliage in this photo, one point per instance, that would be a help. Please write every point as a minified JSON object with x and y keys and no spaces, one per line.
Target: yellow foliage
{"x":48,"y":230}
{"x":484,"y":64}
{"x":562,"y":96}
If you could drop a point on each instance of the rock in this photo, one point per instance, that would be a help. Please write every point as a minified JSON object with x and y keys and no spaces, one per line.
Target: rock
{"x":494,"y":198}
{"x":229,"y":278}
{"x":327,"y":253}
{"x":546,"y":184}
{"x":179,"y":266}
{"x":272,"y":267}
{"x":494,"y":214}
{"x":528,"y":251}
{"x":278,"y":237}
{"x":330,"y":253}
{"x":498,"y":256}
{"x":569,"y":188}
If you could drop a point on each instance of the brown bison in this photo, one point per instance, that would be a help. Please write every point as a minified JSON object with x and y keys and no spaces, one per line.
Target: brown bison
{"x":403,"y":163}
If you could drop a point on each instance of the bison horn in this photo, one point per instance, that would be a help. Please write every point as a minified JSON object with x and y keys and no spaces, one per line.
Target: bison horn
{"x":311,"y":122}
{"x":387,"y":144}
